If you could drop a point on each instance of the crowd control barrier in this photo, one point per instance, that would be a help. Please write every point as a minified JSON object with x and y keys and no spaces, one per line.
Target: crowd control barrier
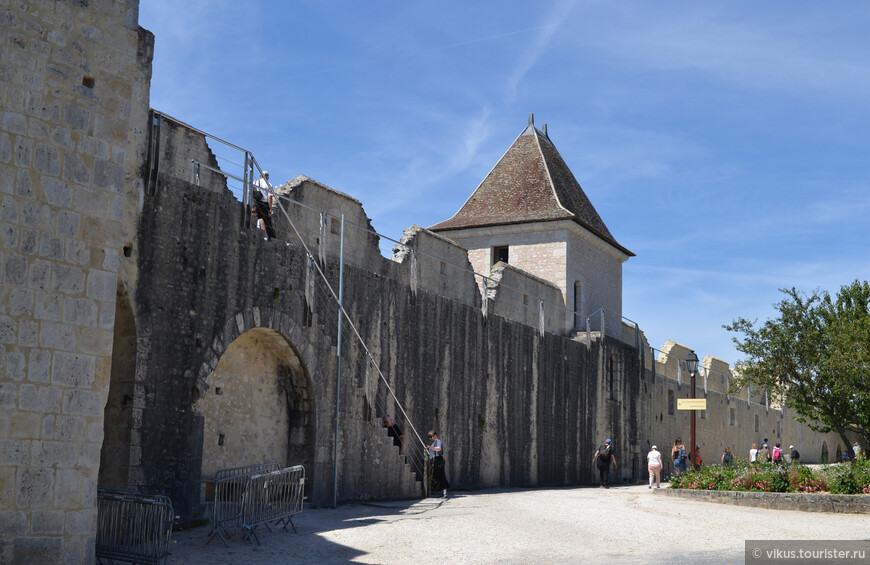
{"x":131,"y":527}
{"x":273,"y":497}
{"x":229,"y":490}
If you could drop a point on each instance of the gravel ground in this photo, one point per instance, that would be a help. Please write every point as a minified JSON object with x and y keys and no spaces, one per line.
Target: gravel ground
{"x":626,"y":524}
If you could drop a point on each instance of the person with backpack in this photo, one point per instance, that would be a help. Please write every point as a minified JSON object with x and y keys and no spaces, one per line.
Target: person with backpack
{"x":763,"y":455}
{"x":678,"y":454}
{"x":776,"y":457}
{"x":727,"y":457}
{"x":602,"y":459}
{"x":795,"y":454}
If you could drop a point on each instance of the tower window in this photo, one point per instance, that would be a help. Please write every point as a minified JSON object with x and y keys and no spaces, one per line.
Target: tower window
{"x":500,"y":253}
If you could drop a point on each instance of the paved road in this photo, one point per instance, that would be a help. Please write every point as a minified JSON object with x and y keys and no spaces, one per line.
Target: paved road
{"x":627,"y":524}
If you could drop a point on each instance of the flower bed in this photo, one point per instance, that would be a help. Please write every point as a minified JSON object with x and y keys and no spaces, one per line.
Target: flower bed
{"x":741,"y":475}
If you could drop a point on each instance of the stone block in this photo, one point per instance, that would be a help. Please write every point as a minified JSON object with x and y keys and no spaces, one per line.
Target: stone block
{"x":8,"y":327}
{"x":5,"y":148}
{"x":14,"y":453}
{"x":108,"y":175}
{"x":51,"y":247}
{"x":76,"y":117}
{"x":38,"y":130}
{"x":68,"y":223}
{"x":9,"y":237}
{"x":15,"y":365}
{"x":77,"y":252}
{"x":41,"y":399}
{"x":14,"y":269}
{"x":9,"y":210}
{"x":75,"y":169}
{"x":102,"y":285}
{"x":47,"y":522}
{"x":73,"y":369}
{"x":7,"y":489}
{"x":94,"y":147}
{"x":80,"y":312}
{"x":39,"y":366}
{"x":61,"y":136}
{"x":111,"y":260}
{"x":57,"y":336}
{"x":7,"y":396}
{"x":25,"y":425}
{"x":89,"y":456}
{"x":29,"y":241}
{"x":46,"y":160}
{"x":81,"y":522}
{"x":54,"y":454}
{"x":22,"y":153}
{"x":21,"y":302}
{"x":12,"y":522}
{"x":14,"y":123}
{"x":36,"y":214}
{"x":39,"y":276}
{"x":107,"y":316}
{"x":48,"y":306}
{"x":57,"y":193}
{"x":37,"y":549}
{"x":23,"y":184}
{"x":28,"y":331}
{"x":82,"y":402}
{"x":68,"y":428}
{"x":69,"y":279}
{"x":67,"y":489}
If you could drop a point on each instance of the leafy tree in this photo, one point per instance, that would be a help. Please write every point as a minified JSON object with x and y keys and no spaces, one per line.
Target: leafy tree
{"x":814,"y":357}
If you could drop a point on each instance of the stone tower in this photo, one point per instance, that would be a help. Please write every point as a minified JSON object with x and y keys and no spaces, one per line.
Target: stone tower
{"x":531,"y":212}
{"x":74,"y":79}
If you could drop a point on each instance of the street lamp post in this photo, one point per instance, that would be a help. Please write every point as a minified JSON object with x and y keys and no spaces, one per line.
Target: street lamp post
{"x":692,"y":366}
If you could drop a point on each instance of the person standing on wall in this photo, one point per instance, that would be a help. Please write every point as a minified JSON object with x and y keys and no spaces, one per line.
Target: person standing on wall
{"x":436,"y":457}
{"x":654,"y":465}
{"x":602,"y":459}
{"x":263,"y":202}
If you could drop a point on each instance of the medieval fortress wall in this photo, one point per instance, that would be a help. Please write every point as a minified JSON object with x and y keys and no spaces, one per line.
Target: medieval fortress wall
{"x":148,"y":336}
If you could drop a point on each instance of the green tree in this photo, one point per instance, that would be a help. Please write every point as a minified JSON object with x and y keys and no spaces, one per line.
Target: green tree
{"x":814,"y":357}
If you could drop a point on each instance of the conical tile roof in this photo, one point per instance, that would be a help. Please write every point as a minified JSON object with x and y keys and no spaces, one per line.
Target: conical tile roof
{"x":530,"y":183}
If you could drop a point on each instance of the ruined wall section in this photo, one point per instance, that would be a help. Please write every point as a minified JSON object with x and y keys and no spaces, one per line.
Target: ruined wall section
{"x":73,"y":85}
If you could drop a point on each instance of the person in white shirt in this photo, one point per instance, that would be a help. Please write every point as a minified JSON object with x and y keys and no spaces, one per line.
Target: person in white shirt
{"x":654,"y":465}
{"x":263,"y":202}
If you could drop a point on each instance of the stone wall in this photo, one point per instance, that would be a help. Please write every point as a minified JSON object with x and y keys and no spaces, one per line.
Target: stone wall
{"x":74,"y":95}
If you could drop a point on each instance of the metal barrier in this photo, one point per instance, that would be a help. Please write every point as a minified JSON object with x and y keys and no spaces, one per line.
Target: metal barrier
{"x":229,"y":490}
{"x":273,"y":497}
{"x":131,"y":527}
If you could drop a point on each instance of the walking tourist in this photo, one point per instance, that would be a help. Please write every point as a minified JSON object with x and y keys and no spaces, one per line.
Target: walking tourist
{"x":654,"y":465}
{"x":763,"y":455}
{"x":777,"y":454}
{"x":436,"y":457}
{"x":795,"y":455}
{"x":602,"y":459}
{"x":678,"y":454}
{"x":753,"y":453}
{"x":727,"y":457}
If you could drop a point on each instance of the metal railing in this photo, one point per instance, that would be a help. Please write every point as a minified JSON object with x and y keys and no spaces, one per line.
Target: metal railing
{"x":272,"y":497}
{"x":132,"y":527}
{"x":229,"y":492}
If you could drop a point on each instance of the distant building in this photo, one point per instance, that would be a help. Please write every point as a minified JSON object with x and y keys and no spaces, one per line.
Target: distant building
{"x":531,"y":213}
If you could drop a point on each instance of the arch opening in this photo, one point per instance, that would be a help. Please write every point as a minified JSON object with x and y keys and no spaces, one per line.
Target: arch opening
{"x":259,"y":407}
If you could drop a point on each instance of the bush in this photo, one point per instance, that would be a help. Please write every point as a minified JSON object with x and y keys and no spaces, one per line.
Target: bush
{"x":769,"y":477}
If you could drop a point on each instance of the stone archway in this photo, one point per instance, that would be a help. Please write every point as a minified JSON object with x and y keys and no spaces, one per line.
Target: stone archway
{"x":118,"y":412}
{"x":255,"y":396}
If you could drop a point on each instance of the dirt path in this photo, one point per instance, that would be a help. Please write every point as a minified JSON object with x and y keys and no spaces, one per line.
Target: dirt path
{"x":617,"y":525}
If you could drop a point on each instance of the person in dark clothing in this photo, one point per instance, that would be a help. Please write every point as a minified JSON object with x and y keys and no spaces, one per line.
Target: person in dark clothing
{"x":395,"y":432}
{"x":436,"y":457}
{"x":262,"y":194}
{"x":602,"y":459}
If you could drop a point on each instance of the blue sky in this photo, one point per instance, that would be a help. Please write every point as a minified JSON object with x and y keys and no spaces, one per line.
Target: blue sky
{"x":725,"y":144}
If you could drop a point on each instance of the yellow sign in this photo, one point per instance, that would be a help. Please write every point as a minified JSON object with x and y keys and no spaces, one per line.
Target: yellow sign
{"x":691,"y":404}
